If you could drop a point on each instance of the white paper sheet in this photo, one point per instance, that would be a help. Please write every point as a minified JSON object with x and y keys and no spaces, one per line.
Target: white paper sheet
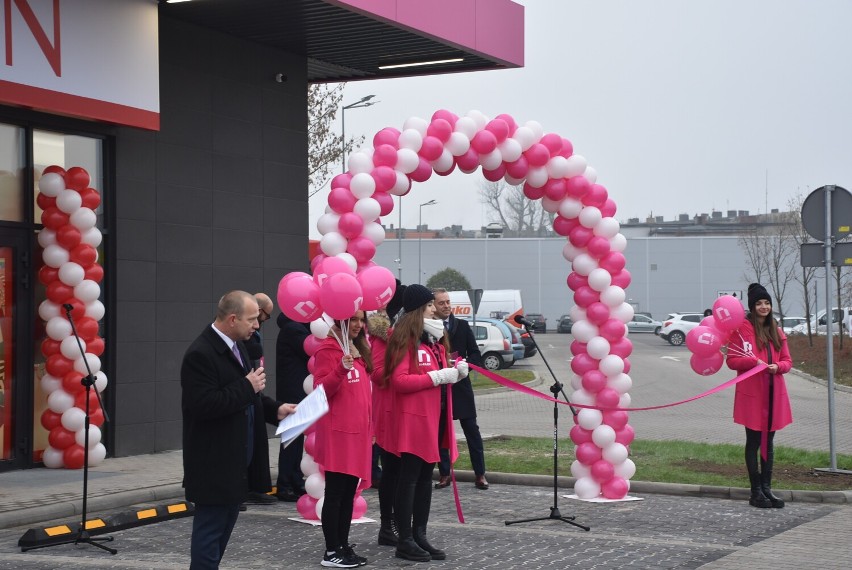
{"x":309,"y":410}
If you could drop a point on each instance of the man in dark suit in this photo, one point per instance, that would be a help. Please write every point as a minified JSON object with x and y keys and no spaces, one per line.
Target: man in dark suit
{"x":462,"y":342}
{"x":218,"y":393}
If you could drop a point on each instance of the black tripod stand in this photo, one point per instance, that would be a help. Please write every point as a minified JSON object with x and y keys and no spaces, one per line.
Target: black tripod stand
{"x":555,"y":389}
{"x":83,"y":536}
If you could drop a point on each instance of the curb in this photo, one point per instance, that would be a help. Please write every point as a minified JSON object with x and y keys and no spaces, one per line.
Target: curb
{"x":820,"y":381}
{"x":537,"y":381}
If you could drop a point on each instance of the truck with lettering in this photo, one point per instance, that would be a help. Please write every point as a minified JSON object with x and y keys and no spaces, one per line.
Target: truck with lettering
{"x":501,"y":304}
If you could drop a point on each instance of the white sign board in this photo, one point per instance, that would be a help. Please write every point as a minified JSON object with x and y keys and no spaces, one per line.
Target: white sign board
{"x":96,"y":59}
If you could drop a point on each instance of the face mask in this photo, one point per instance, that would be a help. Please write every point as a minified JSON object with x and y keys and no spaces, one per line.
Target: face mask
{"x":434,"y":327}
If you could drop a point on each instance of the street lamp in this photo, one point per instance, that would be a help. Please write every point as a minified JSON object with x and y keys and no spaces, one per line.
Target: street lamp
{"x":363,"y":102}
{"x":399,"y":240}
{"x":420,"y":237}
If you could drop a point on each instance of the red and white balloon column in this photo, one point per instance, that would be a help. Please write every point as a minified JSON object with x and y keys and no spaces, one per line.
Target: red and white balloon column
{"x":71,"y":276}
{"x":550,"y":171}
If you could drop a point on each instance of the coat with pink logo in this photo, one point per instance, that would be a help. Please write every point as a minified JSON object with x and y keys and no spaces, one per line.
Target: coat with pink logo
{"x":343,"y":435}
{"x":752,"y":399}
{"x":417,"y":406}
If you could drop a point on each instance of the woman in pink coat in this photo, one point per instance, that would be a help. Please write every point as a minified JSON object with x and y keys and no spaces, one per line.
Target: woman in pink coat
{"x":761,"y":403}
{"x":344,"y":434}
{"x":417,"y":371}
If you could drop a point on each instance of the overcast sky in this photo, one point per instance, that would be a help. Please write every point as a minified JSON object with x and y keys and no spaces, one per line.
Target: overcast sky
{"x":681,"y":106}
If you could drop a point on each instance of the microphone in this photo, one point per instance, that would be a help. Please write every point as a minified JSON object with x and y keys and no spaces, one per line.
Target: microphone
{"x":255,"y":352}
{"x":68,"y":307}
{"x":521,"y":320}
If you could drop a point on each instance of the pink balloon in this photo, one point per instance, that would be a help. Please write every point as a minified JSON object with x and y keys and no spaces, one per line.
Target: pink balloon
{"x":596,"y":196}
{"x":341,"y":181}
{"x":341,"y":200}
{"x":386,"y":136}
{"x":622,"y":278}
{"x":446,"y":115}
{"x":330,"y":266}
{"x":441,"y":129}
{"x":577,"y":186}
{"x":385,"y":201}
{"x":311,"y":344}
{"x":597,"y":313}
{"x":533,"y":193}
{"x":554,"y":189}
{"x":587,"y":453}
{"x":318,"y":258}
{"x":594,"y":381}
{"x":616,"y":488}
{"x":363,"y":266}
{"x":609,"y":208}
{"x":362,"y":249}
{"x":563,"y":226}
{"x":626,"y":365}
{"x":615,"y":419}
{"x":483,"y":142}
{"x":622,"y":347}
{"x":468,"y":162}
{"x":310,"y":444}
{"x":625,"y":435}
{"x":575,"y":281}
{"x":378,"y":285}
{"x":607,"y":398}
{"x":519,"y":168}
{"x":363,"y":485}
{"x":613,"y":262}
{"x":585,"y":296}
{"x":577,"y":347}
{"x":431,"y":148}
{"x":510,"y":122}
{"x":706,"y":365}
{"x":385,"y":155}
{"x":612,"y":330}
{"x":582,"y":363}
{"x":553,"y":143}
{"x":307,"y":507}
{"x":499,"y":129}
{"x":359,"y":507}
{"x":350,"y":225}
{"x":494,"y":175}
{"x":299,"y":298}
{"x":385,"y":177}
{"x":729,"y":313}
{"x":423,"y":171}
{"x":567,"y":148}
{"x":602,"y":471}
{"x":580,"y":435}
{"x":703,"y":341}
{"x":341,"y":296}
{"x":598,"y":246}
{"x":537,"y":155}
{"x":311,"y":363}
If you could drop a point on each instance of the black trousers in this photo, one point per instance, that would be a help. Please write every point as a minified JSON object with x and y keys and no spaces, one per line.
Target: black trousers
{"x":474,"y":446}
{"x":413,"y":494}
{"x":289,"y":461}
{"x":211,"y":528}
{"x":387,"y":486}
{"x":337,"y":509}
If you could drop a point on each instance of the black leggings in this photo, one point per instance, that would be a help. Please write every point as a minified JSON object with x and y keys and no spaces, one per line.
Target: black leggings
{"x":337,"y":509}
{"x":387,"y":486}
{"x":414,"y":493}
{"x":752,"y":449}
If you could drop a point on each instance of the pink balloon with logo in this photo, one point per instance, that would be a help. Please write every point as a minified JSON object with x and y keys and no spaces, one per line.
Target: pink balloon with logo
{"x":299,"y":298}
{"x":330,"y":266}
{"x":378,"y":285}
{"x":341,"y":296}
{"x":707,"y":365}
{"x":729,"y":313}
{"x":703,"y":341}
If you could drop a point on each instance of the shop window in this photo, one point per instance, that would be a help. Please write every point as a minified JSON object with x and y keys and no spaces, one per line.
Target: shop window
{"x":12,"y":164}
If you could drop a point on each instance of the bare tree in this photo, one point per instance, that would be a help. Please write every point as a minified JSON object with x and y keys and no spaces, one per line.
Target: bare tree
{"x":509,"y":206}
{"x":326,"y":146}
{"x":806,"y":276}
{"x":772,"y":253}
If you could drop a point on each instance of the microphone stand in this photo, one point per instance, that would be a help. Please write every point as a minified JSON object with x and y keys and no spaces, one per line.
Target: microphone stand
{"x":555,"y":389}
{"x":83,"y":535}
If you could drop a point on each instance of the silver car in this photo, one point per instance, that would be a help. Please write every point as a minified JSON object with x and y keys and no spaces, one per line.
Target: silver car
{"x":643,"y":324}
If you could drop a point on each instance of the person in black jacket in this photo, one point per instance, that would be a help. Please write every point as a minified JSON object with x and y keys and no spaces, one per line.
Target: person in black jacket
{"x":462,"y":342}
{"x":291,"y":369}
{"x":218,"y":390}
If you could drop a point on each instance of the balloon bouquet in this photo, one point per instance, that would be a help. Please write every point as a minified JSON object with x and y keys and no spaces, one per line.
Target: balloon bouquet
{"x":70,"y":275}
{"x":713,"y":333}
{"x":337,"y":289}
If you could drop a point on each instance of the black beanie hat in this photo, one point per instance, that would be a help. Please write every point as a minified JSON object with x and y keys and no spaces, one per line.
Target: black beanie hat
{"x":395,"y":303}
{"x":415,"y":296}
{"x":756,"y":292}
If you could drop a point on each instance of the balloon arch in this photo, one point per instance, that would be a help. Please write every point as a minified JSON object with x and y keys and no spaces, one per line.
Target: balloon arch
{"x":345,"y":278}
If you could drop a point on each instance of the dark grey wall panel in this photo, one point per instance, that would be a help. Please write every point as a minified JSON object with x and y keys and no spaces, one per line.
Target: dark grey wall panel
{"x":137,"y":199}
{"x":237,"y":212}
{"x":135,"y":240}
{"x":179,"y":282}
{"x":134,"y":362}
{"x":136,"y":280}
{"x":184,"y":205}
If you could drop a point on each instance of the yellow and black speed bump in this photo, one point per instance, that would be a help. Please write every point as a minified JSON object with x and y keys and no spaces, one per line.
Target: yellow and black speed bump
{"x":67,"y":532}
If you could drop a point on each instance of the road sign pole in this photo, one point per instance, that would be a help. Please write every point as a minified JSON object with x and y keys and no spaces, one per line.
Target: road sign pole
{"x":829,"y":318}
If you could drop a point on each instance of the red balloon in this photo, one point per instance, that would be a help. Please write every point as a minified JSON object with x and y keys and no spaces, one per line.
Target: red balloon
{"x":59,"y":292}
{"x":74,"y":457}
{"x":80,"y":400}
{"x":91,"y":198}
{"x":79,"y":309}
{"x":47,"y":274}
{"x":95,"y":346}
{"x":77,"y":178}
{"x":54,"y":168}
{"x":96,"y":417}
{"x":54,"y":218}
{"x":72,"y":384}
{"x":50,"y":420}
{"x":49,"y":346}
{"x":95,"y":273}
{"x":84,"y":254}
{"x":44,"y":201}
{"x":68,"y":236}
{"x":87,"y":328}
{"x":60,"y":438}
{"x":58,"y":366}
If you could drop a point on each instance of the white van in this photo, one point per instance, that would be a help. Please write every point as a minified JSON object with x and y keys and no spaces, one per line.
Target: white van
{"x":502,"y":304}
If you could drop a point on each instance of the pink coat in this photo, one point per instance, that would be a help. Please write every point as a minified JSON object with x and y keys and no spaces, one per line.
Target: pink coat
{"x":417,"y":407}
{"x":344,"y":437}
{"x":382,"y":398}
{"x":751,"y":401}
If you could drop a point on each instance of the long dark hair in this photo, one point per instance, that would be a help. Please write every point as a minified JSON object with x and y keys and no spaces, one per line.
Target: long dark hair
{"x":765,"y":330}
{"x":405,"y":337}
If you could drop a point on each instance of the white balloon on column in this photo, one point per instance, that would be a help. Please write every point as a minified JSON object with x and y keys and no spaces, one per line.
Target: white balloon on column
{"x":94,"y":436}
{"x":53,"y":458}
{"x":73,"y":419}
{"x":60,"y":401}
{"x":97,"y":454}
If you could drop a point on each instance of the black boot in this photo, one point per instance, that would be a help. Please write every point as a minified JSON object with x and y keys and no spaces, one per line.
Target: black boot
{"x":757,"y":499}
{"x":422,"y":542}
{"x":406,"y":548}
{"x":766,"y":482}
{"x":388,"y":535}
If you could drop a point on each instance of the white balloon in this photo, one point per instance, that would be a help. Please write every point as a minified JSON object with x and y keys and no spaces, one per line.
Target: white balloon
{"x":614,"y":453}
{"x":418,"y":124}
{"x":318,"y":508}
{"x":624,"y":400}
{"x":603,"y":436}
{"x":333,"y":243}
{"x":576,"y":382}
{"x":55,"y":255}
{"x":47,"y":309}
{"x":525,"y":137}
{"x":623,"y":312}
{"x":319,"y":328}
{"x":613,"y":296}
{"x":621,"y":383}
{"x":95,"y":310}
{"x":587,"y":488}
{"x":550,"y":206}
{"x":58,"y":328}
{"x":327,"y":223}
{"x":599,"y":279}
{"x":410,"y":139}
{"x":315,"y":485}
{"x":308,"y":465}
{"x":69,"y":349}
{"x":46,"y":237}
{"x":402,"y":184}
{"x":69,"y":201}
{"x":93,"y":361}
{"x":589,"y":217}
{"x":513,"y":181}
{"x":536,"y":128}
{"x":467,"y":127}
{"x":577,"y":313}
{"x":100,"y":381}
{"x":582,"y":397}
{"x":83,"y":219}
{"x":479,"y":118}
{"x":92,"y":236}
{"x":374,"y":232}
{"x":349,"y":259}
{"x":618,"y":243}
{"x":557,"y":167}
{"x":407,"y":160}
{"x":53,"y":458}
{"x":591,"y":175}
{"x":72,"y":274}
{"x":607,"y":228}
{"x":598,"y":347}
{"x":576,"y":165}
{"x":537,"y":176}
{"x":584,"y":264}
{"x":584,"y":331}
{"x":59,"y":401}
{"x":308,"y":384}
{"x":588,"y":418}
{"x":611,"y":365}
{"x":458,"y":144}
{"x":510,"y":149}
{"x":51,"y":184}
{"x":362,"y":185}
{"x":50,"y":383}
{"x":368,"y":208}
{"x":626,"y":469}
{"x":492,"y":160}
{"x":87,"y":291}
{"x":570,"y":207}
{"x":360,"y":162}
{"x":96,"y":455}
{"x":569,"y":252}
{"x":94,"y":436}
{"x":579,"y":470}
{"x":444,"y":162}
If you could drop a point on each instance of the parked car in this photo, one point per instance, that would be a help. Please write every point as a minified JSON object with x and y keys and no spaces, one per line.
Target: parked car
{"x":641,"y":323}
{"x":510,"y":333}
{"x":538,"y":321}
{"x":788,"y":324}
{"x":564,"y":324}
{"x":529,"y":345}
{"x":495,"y":347}
{"x":677,"y":325}
{"x":840,"y":319}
